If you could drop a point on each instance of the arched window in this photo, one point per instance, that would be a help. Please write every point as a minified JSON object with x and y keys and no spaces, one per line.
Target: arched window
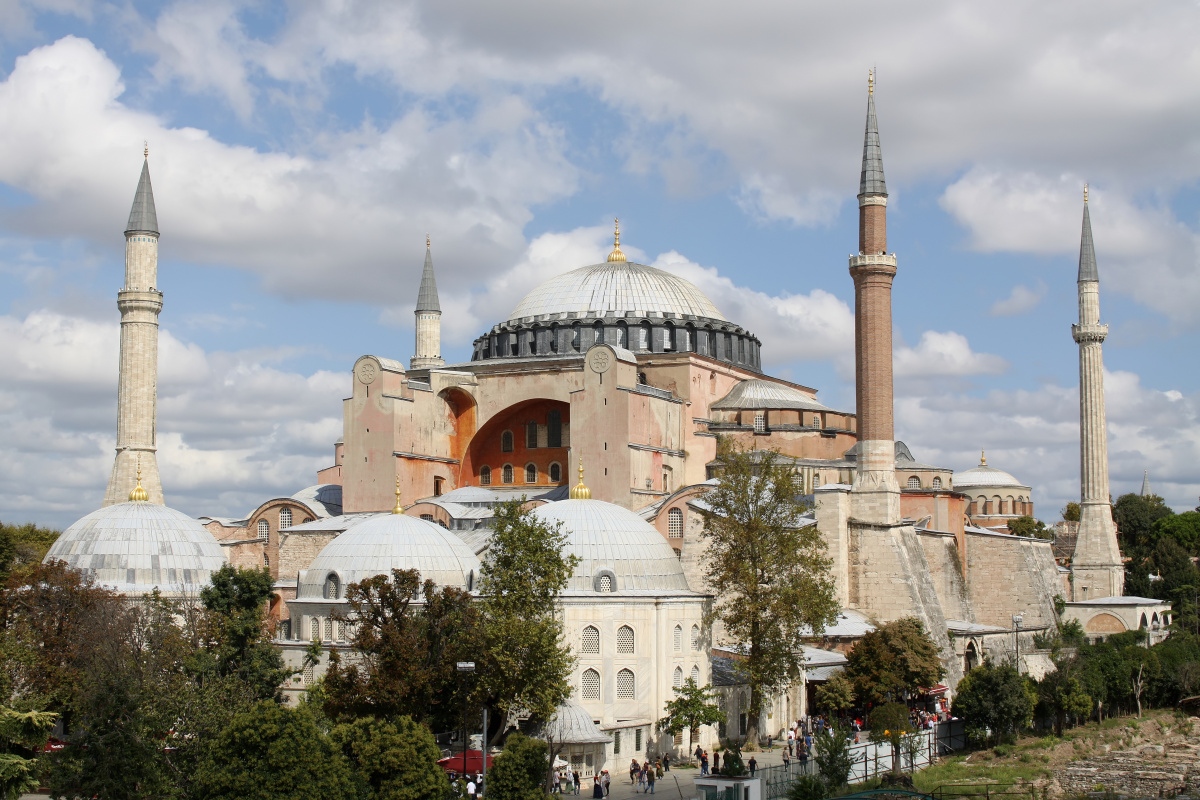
{"x":668,"y":338}
{"x":677,"y":678}
{"x":331,"y":586}
{"x":666,"y":479}
{"x":625,"y":684}
{"x":553,"y":428}
{"x":264,"y":529}
{"x":622,"y":335}
{"x":309,"y":673}
{"x":606,"y":583}
{"x":531,"y":435}
{"x":643,"y":342}
{"x":285,"y":518}
{"x":590,"y":641}
{"x":575,"y":337}
{"x":485,"y":476}
{"x":341,"y":630}
{"x":506,"y":442}
{"x":555,"y":472}
{"x":760,"y":422}
{"x":937,"y":482}
{"x":590,"y":685}
{"x":553,"y":338}
{"x":624,"y":639}
{"x":266,"y":561}
{"x":506,"y":475}
{"x":329,"y":630}
{"x":914,"y":482}
{"x":675,"y":523}
{"x":695,"y":674}
{"x":695,"y":638}
{"x":316,"y":629}
{"x":531,"y":473}
{"x":678,"y":638}
{"x":688,"y":335}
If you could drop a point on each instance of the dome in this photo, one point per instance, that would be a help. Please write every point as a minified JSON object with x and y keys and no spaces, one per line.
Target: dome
{"x":619,"y":286}
{"x":757,"y":393}
{"x":387,"y":542}
{"x":572,"y":724}
{"x":610,"y":540}
{"x":325,"y":499}
{"x":135,"y":547}
{"x":984,"y":476}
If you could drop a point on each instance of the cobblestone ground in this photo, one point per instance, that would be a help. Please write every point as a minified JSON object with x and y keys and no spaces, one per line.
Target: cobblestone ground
{"x":676,"y":784}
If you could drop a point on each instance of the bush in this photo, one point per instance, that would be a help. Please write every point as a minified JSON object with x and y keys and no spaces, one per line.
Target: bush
{"x":520,"y":771}
{"x":808,"y":787}
{"x":833,"y":757}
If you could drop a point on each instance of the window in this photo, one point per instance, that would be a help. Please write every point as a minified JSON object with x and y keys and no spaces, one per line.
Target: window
{"x":341,"y":630}
{"x":668,"y":339}
{"x":937,"y":483}
{"x":266,"y":561}
{"x":506,"y":475}
{"x":695,"y":674}
{"x":285,"y":518}
{"x":531,"y":435}
{"x":914,"y":482}
{"x":264,"y":529}
{"x":590,"y":685}
{"x":679,"y":739}
{"x":625,"y":690}
{"x":675,"y":525}
{"x":677,"y":678}
{"x":531,"y":473}
{"x":666,"y":480}
{"x":553,"y":428}
{"x":285,"y":629}
{"x":316,"y":629}
{"x":485,"y":476}
{"x":616,"y":743}
{"x":760,"y":422}
{"x":590,"y":640}
{"x":695,"y":638}
{"x":637,"y":737}
{"x":427,"y":517}
{"x":624,"y":639}
{"x":437,"y":486}
{"x":643,"y":342}
{"x":555,"y":472}
{"x":309,"y":675}
{"x":678,"y":638}
{"x":606,"y":583}
{"x":329,"y":630}
{"x":331,"y":586}
{"x":506,"y":442}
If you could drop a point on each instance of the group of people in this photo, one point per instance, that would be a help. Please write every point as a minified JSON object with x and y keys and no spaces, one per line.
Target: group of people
{"x":469,"y":787}
{"x":645,"y":774}
{"x":569,"y":783}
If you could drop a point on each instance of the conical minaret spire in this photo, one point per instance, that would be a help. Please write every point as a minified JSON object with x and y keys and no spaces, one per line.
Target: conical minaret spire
{"x":429,"y":318}
{"x":1096,"y":569}
{"x":873,"y":270}
{"x":139,"y":302}
{"x":1146,"y":492}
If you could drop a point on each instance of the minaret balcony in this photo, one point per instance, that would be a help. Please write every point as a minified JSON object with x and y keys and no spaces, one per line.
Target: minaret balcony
{"x":1089,"y":333}
{"x":138,"y":300}
{"x":882,"y":259}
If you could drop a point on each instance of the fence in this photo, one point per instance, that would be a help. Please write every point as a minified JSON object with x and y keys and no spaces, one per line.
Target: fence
{"x":985,"y":791}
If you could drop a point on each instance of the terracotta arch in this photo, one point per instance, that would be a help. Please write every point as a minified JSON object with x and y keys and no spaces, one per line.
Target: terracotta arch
{"x":483,"y":448}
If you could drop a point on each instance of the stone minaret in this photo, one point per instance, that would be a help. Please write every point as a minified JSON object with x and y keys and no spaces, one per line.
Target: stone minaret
{"x":429,"y":319}
{"x":137,"y":389}
{"x":1096,"y":570}
{"x":877,"y":493}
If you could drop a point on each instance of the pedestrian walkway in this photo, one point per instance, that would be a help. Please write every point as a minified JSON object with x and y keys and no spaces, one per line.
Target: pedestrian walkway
{"x":679,"y":782}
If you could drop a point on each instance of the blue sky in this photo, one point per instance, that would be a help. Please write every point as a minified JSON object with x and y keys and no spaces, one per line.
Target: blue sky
{"x":300,"y":152}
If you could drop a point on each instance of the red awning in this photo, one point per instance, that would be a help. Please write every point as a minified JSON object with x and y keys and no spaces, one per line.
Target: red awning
{"x":454,"y":763}
{"x":941,"y":688}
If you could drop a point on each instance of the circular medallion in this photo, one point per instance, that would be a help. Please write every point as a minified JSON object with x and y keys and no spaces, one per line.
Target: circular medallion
{"x":367,"y":371}
{"x":600,"y":360}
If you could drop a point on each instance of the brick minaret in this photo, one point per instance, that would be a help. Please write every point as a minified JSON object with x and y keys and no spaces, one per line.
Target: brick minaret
{"x":872,"y":270}
{"x":137,"y":389}
{"x":428,"y":351}
{"x":1096,"y":569}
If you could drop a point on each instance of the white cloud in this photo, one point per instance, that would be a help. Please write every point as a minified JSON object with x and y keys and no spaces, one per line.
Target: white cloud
{"x":1021,"y":300}
{"x":943,"y":355}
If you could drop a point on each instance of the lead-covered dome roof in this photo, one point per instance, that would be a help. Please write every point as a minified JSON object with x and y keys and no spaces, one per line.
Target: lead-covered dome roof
{"x":387,"y":542}
{"x":613,"y":541}
{"x":617,"y":286}
{"x":985,"y":476}
{"x":136,"y":547}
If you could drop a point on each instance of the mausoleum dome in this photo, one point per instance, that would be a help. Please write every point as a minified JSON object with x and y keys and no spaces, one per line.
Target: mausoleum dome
{"x":983,"y":475}
{"x":136,"y":547}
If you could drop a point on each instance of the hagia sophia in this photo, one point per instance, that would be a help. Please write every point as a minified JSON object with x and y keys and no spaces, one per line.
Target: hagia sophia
{"x":600,"y":399}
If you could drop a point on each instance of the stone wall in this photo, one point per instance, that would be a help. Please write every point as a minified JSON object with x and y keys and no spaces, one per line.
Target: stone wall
{"x":1152,"y":770}
{"x":1009,"y":575}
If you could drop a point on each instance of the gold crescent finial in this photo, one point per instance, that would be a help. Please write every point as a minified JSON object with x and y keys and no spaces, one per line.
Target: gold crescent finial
{"x":145,"y":149}
{"x":982,"y":458}
{"x":427,"y":241}
{"x":580,"y":491}
{"x":1085,"y":194}
{"x":616,"y":254}
{"x":399,"y":509}
{"x":139,"y":495}
{"x":871,"y":81}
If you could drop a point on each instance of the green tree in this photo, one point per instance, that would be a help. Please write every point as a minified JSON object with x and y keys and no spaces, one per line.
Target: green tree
{"x":1135,"y":517}
{"x":236,"y":624}
{"x":691,"y":707}
{"x":22,"y":546}
{"x":768,"y":570}
{"x":836,"y":694}
{"x":833,"y":757}
{"x":733,"y":766}
{"x":1183,"y":528}
{"x":1030,"y":527}
{"x":893,"y":661}
{"x":519,"y":772}
{"x":808,"y":787}
{"x":22,"y":735}
{"x":391,"y":760}
{"x":1071,"y":512}
{"x":890,"y":723}
{"x":527,"y":662}
{"x":994,"y":698}
{"x":1061,"y":694}
{"x":269,"y":752}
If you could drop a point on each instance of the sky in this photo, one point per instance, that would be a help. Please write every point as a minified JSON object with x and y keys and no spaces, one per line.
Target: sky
{"x":300,"y":153}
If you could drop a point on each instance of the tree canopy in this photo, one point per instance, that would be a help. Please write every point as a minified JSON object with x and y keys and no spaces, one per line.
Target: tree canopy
{"x":995,"y":701}
{"x":1028,"y":526}
{"x":519,"y":773}
{"x":890,"y":723}
{"x":691,"y":707}
{"x":894,"y":661}
{"x":391,"y":760}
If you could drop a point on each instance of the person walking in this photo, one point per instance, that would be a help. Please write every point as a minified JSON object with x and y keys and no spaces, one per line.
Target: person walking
{"x":642,"y":778}
{"x":575,"y":780}
{"x":634,"y":768}
{"x":666,"y":762}
{"x":753,"y":765}
{"x":716,"y":763}
{"x":703,"y":763}
{"x":607,"y":782}
{"x":787,"y":758}
{"x":791,"y":740}
{"x":650,"y":779}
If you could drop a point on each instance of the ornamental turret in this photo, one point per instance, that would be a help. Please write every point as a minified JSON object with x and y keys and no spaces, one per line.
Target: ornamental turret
{"x":428,"y":312}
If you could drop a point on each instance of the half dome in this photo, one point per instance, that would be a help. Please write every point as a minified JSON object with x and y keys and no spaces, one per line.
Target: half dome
{"x":387,"y":542}
{"x":137,"y":547}
{"x":984,"y":476}
{"x":613,"y":541}
{"x":617,"y":286}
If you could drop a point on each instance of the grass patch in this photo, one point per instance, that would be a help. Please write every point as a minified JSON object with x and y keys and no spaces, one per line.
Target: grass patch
{"x":956,"y":770}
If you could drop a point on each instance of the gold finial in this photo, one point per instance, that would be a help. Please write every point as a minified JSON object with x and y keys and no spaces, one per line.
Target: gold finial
{"x":870,"y":81}
{"x":427,"y":241}
{"x":139,"y":495}
{"x":399,"y":509}
{"x":1085,"y":194}
{"x":616,"y":254}
{"x":580,"y":491}
{"x":145,"y":149}
{"x":982,"y":458}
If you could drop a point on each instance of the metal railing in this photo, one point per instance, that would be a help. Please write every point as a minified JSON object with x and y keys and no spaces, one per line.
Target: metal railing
{"x":986,"y":791}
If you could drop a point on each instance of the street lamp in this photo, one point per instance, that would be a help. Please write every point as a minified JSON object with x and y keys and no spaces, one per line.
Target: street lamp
{"x":465,"y":667}
{"x":1017,"y":642}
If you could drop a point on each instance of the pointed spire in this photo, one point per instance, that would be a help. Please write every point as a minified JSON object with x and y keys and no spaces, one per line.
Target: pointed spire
{"x":872,"y":183}
{"x":1087,"y":251}
{"x":427,"y":297}
{"x":1146,"y":484}
{"x":142,"y":218}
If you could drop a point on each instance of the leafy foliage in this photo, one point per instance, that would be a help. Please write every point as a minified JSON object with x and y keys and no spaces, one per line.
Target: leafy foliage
{"x":1028,"y":526}
{"x":691,"y":707}
{"x":890,"y":723}
{"x":994,"y":698}
{"x":22,"y":546}
{"x":391,"y":760}
{"x":808,"y":787}
{"x":833,"y":757}
{"x":836,"y":694}
{"x":519,"y":772}
{"x":1062,"y":694}
{"x":236,"y":602}
{"x":1071,"y":512}
{"x":770,"y":574}
{"x":1136,"y":517}
{"x":893,"y":661}
{"x":22,"y":734}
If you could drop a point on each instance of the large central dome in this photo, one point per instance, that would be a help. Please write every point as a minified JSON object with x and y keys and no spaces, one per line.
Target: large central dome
{"x":617,"y":286}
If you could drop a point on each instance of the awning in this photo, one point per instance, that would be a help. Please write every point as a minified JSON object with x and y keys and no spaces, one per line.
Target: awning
{"x":941,"y":688}
{"x":454,"y":763}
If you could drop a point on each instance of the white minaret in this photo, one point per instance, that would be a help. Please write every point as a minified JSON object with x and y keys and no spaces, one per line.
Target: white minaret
{"x":1096,"y":569}
{"x":429,"y":319}
{"x":137,"y":390}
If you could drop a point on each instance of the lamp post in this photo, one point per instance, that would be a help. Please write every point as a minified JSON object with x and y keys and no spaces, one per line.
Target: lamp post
{"x":465,"y":667}
{"x":1017,"y":642}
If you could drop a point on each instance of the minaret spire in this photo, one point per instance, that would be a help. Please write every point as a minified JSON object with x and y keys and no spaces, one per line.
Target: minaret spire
{"x":137,"y":389}
{"x":1096,"y":569}
{"x":429,"y":318}
{"x":1146,"y":484}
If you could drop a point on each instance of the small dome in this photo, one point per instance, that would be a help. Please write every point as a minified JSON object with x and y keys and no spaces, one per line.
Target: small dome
{"x":572,"y":724}
{"x":616,"y":286}
{"x":761,"y":394}
{"x":325,"y":499}
{"x":614,"y":541}
{"x":391,"y":541}
{"x":984,"y":476}
{"x":135,"y":547}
